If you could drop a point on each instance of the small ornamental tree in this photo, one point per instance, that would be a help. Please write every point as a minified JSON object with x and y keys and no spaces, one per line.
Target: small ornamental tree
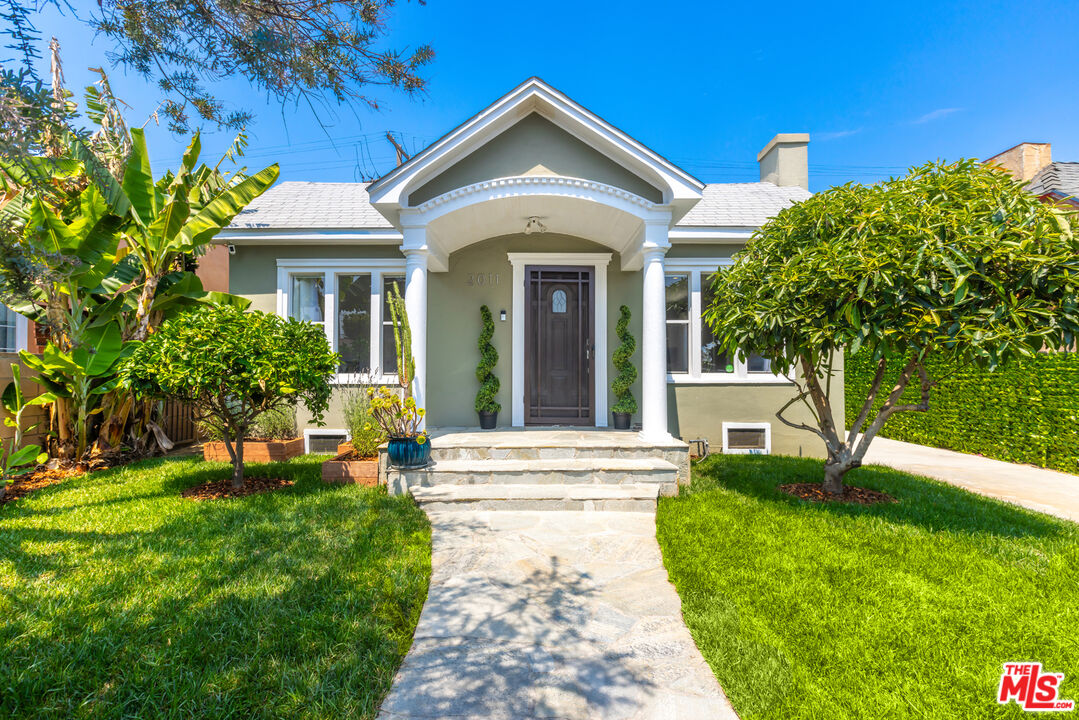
{"x":623,"y":362}
{"x":485,"y":397}
{"x":232,"y":367}
{"x":953,"y":261}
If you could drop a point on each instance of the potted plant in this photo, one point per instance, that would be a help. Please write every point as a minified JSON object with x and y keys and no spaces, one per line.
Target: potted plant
{"x":272,"y":438}
{"x":394,"y":409}
{"x":357,"y":460}
{"x":622,"y":386}
{"x":486,"y":405}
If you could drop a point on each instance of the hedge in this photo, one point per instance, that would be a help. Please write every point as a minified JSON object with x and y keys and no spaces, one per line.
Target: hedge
{"x":1024,"y":412}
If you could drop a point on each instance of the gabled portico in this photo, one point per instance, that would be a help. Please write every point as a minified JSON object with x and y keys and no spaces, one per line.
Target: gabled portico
{"x":616,"y":216}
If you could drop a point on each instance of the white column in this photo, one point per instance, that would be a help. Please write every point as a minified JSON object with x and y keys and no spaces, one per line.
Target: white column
{"x":517,"y":377}
{"x":654,"y":345}
{"x":416,"y":305}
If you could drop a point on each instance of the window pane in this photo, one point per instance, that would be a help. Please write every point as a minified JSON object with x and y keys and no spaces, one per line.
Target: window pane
{"x":307,"y":298}
{"x":354,"y":322}
{"x":389,"y":349}
{"x":756,"y":363}
{"x":677,"y":297}
{"x":714,"y":359}
{"x":677,"y":347}
{"x":8,"y":343}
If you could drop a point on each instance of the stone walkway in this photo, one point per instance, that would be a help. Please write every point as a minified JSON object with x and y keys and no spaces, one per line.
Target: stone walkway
{"x":551,"y":615}
{"x":1047,"y":491}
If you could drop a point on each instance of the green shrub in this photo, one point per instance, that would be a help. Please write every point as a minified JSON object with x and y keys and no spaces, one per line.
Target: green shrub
{"x":622,"y":386}
{"x":1025,"y":411}
{"x":363,"y":429}
{"x":276,"y":424}
{"x":232,"y":367}
{"x":485,"y":397}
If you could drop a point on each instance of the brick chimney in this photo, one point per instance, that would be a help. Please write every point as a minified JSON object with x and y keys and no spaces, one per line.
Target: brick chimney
{"x":1024,"y":160}
{"x":785,"y":160}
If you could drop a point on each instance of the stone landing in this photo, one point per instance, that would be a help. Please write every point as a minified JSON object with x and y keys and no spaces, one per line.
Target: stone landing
{"x":544,"y":469}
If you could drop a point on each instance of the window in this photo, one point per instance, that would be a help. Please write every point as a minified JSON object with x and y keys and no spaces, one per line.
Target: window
{"x":9,"y":340}
{"x":558,"y":301}
{"x":349,"y":298}
{"x":747,"y":438}
{"x":678,"y":323}
{"x":693,"y":355}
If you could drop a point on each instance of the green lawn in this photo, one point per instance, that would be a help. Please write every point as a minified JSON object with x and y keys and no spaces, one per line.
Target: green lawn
{"x":890,"y":611}
{"x":118,"y":598}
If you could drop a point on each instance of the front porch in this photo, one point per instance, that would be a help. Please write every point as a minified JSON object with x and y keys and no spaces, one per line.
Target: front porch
{"x":544,"y":469}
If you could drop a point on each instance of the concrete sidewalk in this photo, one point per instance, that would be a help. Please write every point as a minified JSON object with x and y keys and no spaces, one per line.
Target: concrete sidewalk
{"x":1047,"y":491}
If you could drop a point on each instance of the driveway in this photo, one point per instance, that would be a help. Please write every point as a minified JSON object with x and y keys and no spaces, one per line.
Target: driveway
{"x":1047,"y":491}
{"x":534,"y":614}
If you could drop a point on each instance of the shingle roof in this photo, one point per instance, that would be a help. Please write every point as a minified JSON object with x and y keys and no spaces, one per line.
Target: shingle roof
{"x":741,"y":204}
{"x":1059,"y":178}
{"x":312,"y":205}
{"x":318,"y":205}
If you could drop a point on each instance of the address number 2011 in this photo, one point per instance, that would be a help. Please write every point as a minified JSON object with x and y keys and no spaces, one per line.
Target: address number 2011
{"x":481,"y":279}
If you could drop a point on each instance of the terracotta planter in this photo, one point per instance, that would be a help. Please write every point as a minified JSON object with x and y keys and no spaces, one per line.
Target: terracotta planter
{"x":359,"y":472}
{"x":344,"y":448}
{"x":256,"y":450}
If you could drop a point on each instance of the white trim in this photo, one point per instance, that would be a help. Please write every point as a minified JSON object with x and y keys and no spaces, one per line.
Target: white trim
{"x":599,"y":262}
{"x":330,"y":268}
{"x":692,"y":234}
{"x":767,"y":427}
{"x":309,"y":432}
{"x":21,"y":331}
{"x":506,"y":187}
{"x":270,"y":236}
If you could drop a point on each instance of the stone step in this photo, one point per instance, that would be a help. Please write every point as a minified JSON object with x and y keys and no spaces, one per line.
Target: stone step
{"x":572,"y":471}
{"x":633,"y":497}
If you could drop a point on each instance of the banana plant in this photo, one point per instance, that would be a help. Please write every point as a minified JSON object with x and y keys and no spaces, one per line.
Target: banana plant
{"x":19,"y":459}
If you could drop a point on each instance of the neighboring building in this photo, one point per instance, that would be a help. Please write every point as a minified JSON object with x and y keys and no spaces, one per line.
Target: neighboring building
{"x":553,"y":218}
{"x":1053,"y":182}
{"x":14,"y":331}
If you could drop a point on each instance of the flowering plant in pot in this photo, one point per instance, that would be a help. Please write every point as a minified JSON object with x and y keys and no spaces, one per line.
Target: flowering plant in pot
{"x":486,"y":405}
{"x":622,"y":386}
{"x":394,"y":410}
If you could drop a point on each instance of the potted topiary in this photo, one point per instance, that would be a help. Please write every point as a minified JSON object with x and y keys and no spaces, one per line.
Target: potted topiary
{"x":357,"y":460}
{"x":622,"y":386}
{"x":395,"y":410}
{"x":486,"y":405}
{"x":232,"y":367}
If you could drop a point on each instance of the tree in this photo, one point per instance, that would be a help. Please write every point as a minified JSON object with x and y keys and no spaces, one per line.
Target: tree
{"x":485,"y":397}
{"x":232,"y":366}
{"x":623,"y":362}
{"x":310,"y":50}
{"x":955,"y":261}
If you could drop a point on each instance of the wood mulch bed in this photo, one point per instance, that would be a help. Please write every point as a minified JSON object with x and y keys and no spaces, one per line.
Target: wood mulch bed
{"x":221,"y":489}
{"x":26,"y":484}
{"x":814,"y":492}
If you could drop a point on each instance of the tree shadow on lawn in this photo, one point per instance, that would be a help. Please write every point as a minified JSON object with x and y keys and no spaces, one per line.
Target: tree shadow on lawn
{"x":923,"y":502}
{"x":300,"y":597}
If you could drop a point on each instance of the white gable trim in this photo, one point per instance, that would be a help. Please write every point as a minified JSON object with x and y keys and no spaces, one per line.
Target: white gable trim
{"x":389,"y":193}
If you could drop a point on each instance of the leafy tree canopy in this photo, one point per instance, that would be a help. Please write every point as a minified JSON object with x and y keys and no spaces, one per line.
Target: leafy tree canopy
{"x":954,"y":260}
{"x":232,"y":367}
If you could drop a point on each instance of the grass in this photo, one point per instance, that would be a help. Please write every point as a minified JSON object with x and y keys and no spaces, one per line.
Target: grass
{"x":902,"y":610}
{"x":120,"y":599}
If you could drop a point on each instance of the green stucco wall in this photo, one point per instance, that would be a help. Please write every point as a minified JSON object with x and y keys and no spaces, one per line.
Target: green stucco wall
{"x":695,"y":411}
{"x":531,"y":144}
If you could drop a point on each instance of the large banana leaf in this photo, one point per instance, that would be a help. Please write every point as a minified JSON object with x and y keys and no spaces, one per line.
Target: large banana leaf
{"x":101,"y":347}
{"x":139,"y":181}
{"x":220,"y":211}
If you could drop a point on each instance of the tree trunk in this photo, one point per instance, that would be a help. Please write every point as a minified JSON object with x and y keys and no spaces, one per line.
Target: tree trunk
{"x":238,"y":465}
{"x":834,"y":471}
{"x":142,"y":313}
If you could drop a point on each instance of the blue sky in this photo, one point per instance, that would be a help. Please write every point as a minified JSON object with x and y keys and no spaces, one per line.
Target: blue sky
{"x":879,"y":86}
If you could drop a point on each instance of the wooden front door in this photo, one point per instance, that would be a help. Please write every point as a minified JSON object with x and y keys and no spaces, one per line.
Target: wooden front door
{"x":559,"y":353}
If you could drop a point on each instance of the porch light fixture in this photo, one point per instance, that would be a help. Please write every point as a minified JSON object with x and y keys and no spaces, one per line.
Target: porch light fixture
{"x":534,"y":225}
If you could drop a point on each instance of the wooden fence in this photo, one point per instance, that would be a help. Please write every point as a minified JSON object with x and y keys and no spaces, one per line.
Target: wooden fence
{"x":178,"y":423}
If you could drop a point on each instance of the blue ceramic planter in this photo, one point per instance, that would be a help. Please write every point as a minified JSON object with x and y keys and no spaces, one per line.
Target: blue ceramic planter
{"x":408,"y":452}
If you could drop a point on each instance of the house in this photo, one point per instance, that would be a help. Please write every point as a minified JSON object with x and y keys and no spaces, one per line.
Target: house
{"x":554,"y":218}
{"x":1056,"y":183}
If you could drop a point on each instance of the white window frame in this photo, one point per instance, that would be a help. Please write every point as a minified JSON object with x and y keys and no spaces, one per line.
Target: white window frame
{"x":698,"y":269}
{"x":767,"y":427}
{"x":22,"y":333}
{"x":330,"y":268}
{"x":308,"y":433}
